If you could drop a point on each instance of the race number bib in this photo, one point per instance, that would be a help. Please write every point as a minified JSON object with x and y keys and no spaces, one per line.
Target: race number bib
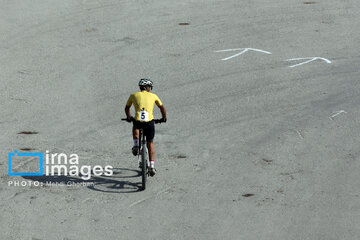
{"x":144,"y":116}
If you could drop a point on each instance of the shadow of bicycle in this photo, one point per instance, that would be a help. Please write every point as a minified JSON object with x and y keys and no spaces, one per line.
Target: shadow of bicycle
{"x":119,"y":182}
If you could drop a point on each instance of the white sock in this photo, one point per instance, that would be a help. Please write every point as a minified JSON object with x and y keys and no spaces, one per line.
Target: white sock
{"x":152,"y":164}
{"x":136,"y":142}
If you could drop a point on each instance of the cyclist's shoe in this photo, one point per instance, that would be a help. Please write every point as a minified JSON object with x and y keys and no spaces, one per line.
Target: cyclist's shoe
{"x":152,"y":172}
{"x":135,"y":150}
{"x":140,"y":165}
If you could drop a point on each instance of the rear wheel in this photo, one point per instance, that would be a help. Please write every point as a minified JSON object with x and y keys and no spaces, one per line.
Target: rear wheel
{"x":144,"y":167}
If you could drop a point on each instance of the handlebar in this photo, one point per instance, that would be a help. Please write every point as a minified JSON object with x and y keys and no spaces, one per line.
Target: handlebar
{"x":156,"y":121}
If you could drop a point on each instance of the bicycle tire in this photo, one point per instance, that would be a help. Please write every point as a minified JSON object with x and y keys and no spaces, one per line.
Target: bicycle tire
{"x":143,"y":170}
{"x":144,"y":164}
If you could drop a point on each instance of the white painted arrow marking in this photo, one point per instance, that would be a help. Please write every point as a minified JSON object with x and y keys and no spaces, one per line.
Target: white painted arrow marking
{"x":336,"y":114}
{"x":311,"y":59}
{"x":244,"y":50}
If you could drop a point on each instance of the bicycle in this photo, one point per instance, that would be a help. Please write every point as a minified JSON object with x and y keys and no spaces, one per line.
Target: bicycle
{"x":143,"y":153}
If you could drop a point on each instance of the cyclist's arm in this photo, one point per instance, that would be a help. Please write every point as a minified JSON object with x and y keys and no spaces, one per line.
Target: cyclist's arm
{"x":163,"y":111}
{"x":128,"y":106}
{"x":127,"y":112}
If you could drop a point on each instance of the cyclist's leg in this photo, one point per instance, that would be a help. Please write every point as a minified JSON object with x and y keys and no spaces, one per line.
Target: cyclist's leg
{"x":135,"y":132}
{"x":151,"y":148}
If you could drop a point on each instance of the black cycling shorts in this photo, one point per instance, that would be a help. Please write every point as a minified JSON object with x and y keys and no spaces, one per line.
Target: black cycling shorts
{"x":148,"y":127}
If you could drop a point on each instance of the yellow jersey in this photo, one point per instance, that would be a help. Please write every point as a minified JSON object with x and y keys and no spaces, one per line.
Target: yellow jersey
{"x":144,"y":103}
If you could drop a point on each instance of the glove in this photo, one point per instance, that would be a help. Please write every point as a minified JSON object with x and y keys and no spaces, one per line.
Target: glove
{"x":164,"y":119}
{"x":129,"y":119}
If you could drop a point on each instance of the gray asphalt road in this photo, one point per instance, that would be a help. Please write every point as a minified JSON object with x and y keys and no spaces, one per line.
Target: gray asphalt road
{"x":253,"y":149}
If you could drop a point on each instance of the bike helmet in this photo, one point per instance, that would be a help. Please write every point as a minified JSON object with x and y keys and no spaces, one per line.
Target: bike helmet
{"x":145,"y":82}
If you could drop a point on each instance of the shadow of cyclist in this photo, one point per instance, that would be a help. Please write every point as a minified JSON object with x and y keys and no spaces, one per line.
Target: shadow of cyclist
{"x":119,"y":182}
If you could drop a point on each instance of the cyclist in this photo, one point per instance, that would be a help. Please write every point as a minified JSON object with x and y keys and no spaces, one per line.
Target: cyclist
{"x":144,"y":102}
